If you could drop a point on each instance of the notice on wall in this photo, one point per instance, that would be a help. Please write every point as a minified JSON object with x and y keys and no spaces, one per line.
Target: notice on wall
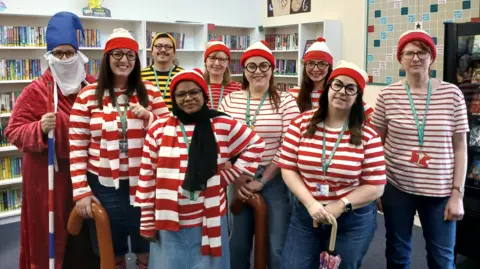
{"x":277,"y":8}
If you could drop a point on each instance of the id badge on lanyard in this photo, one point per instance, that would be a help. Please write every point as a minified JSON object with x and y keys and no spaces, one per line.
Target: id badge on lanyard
{"x":123,"y":142}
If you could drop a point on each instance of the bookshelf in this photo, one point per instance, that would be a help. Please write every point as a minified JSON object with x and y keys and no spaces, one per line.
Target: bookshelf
{"x":11,"y":216}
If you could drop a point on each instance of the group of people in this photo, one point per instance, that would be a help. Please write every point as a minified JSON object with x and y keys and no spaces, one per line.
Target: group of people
{"x":164,"y":150}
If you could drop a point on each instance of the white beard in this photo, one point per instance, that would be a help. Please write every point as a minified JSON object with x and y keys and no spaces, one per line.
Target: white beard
{"x":68,"y":73}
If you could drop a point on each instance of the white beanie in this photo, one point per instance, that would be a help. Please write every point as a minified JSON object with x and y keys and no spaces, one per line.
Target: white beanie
{"x":258,"y":49}
{"x":121,"y":39}
{"x":319,"y":51}
{"x":350,"y":70}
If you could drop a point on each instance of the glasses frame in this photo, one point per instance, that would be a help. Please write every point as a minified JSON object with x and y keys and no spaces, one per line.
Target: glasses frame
{"x":213,"y":59}
{"x":188,"y":93}
{"x":63,"y":53}
{"x":167,"y":47}
{"x":415,"y":54}
{"x":316,"y":65}
{"x":257,"y":67}
{"x":344,"y":87}
{"x":123,"y":54}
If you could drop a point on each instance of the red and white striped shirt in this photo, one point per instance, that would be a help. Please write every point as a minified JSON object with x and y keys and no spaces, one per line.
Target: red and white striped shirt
{"x":270,"y":124}
{"x":295,"y":92}
{"x":216,"y":89}
{"x":159,"y":191}
{"x":88,"y":132}
{"x":446,"y":116}
{"x":351,"y":165}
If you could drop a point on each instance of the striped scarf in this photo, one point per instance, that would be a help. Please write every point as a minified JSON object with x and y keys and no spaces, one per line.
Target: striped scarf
{"x":169,"y":182}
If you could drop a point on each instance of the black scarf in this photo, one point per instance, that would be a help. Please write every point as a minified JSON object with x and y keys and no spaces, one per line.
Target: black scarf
{"x":202,"y":157}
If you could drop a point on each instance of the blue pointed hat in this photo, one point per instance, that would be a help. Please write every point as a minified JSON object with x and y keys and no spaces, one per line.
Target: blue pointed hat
{"x":62,"y":29}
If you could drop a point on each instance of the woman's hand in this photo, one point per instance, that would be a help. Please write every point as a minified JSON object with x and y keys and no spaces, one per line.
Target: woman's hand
{"x":336,"y":208}
{"x":151,"y":239}
{"x":319,"y":214}
{"x":139,"y":111}
{"x":241,"y":185}
{"x":84,"y":206}
{"x":47,"y":122}
{"x":454,"y":209}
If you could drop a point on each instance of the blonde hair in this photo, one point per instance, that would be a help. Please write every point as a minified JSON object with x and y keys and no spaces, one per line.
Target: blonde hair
{"x":227,"y":76}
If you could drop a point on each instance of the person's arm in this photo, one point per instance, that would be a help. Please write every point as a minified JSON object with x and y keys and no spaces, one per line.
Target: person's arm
{"x":378,"y":118}
{"x":460,"y":162}
{"x":159,"y":108}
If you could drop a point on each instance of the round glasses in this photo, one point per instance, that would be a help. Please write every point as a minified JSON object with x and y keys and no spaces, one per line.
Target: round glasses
{"x":252,"y":67}
{"x":118,"y":55}
{"x":350,"y":89}
{"x":59,"y":54}
{"x":321,"y":65}
{"x":409,"y":55}
{"x":194,"y":94}
{"x":167,"y":47}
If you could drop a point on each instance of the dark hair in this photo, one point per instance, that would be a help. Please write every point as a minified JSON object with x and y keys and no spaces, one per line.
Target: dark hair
{"x":304,"y":100}
{"x":356,"y":118}
{"x":134,"y":82}
{"x":272,"y":90}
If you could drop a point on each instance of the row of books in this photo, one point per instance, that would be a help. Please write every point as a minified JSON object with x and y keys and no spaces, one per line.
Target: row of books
{"x":179,"y":39}
{"x":22,"y":36}
{"x":285,"y":87}
{"x":90,"y":39}
{"x":10,"y":167}
{"x":7,"y":101}
{"x":282,"y":41}
{"x":93,"y":67}
{"x":234,"y":42}
{"x":285,"y":67}
{"x":235,"y":67}
{"x":3,"y":138}
{"x":20,"y":69}
{"x":10,"y":199}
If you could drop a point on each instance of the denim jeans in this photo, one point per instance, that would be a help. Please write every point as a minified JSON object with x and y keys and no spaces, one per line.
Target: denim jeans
{"x":399,"y":209}
{"x":305,"y":243}
{"x":182,"y":250}
{"x":277,"y":198}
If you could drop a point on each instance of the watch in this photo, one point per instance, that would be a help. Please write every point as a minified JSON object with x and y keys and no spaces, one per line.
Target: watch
{"x":348,"y":205}
{"x":460,"y":189}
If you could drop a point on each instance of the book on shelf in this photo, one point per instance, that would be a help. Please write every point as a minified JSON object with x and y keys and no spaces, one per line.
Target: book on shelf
{"x":282,"y":41}
{"x":10,"y":198}
{"x":93,"y":67}
{"x":90,"y":39}
{"x":3,"y":138}
{"x":10,"y":167}
{"x":233,"y":42}
{"x":235,"y":67}
{"x":284,"y":87}
{"x":285,"y":67}
{"x":179,"y":39}
{"x":22,"y":36}
{"x":20,"y":69}
{"x":7,"y":101}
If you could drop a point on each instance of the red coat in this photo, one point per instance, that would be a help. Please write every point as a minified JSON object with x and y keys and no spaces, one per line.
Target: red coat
{"x":25,"y":133}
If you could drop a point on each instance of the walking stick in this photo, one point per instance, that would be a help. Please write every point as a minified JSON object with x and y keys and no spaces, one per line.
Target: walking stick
{"x":104,"y":237}
{"x":51,"y":202}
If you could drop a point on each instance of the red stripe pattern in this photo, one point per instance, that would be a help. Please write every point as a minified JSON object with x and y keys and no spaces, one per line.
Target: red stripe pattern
{"x":163,"y":168}
{"x":94,"y":138}
{"x":216,"y":89}
{"x":447,"y":115}
{"x":351,"y":165}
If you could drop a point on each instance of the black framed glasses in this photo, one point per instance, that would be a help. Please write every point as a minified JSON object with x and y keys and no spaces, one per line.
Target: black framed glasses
{"x":321,"y":65}
{"x":350,"y":89}
{"x":194,"y":93}
{"x":59,"y":54}
{"x":263,"y":66}
{"x":159,"y":46}
{"x":221,"y":60}
{"x":409,"y":55}
{"x":118,"y":55}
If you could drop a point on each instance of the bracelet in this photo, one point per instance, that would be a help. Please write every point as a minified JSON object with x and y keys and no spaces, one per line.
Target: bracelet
{"x":311,"y":203}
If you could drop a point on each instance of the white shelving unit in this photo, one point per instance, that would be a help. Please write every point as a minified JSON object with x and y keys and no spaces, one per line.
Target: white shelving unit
{"x":11,"y":216}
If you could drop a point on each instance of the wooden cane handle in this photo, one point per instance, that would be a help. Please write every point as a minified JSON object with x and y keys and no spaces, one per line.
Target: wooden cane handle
{"x":315,"y":224}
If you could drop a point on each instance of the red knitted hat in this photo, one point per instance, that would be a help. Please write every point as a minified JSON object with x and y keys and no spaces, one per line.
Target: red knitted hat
{"x":350,"y":70}
{"x":258,"y":49}
{"x":213,"y":46}
{"x":195,"y":75}
{"x":121,"y":39}
{"x":416,"y":35}
{"x":319,"y":51}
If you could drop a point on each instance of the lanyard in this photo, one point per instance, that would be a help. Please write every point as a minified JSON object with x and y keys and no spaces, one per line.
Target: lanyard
{"x":420,"y":128}
{"x":211,"y":97}
{"x":185,"y":137}
{"x":123,"y":118}
{"x":247,"y":115}
{"x":166,"y":83}
{"x":326,"y":164}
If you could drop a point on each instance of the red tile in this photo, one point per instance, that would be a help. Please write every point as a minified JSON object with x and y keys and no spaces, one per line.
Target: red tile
{"x":371,"y":28}
{"x":475,"y":19}
{"x":370,"y":79}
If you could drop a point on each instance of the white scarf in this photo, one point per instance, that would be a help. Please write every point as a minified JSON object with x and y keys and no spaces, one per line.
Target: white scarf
{"x":68,"y":73}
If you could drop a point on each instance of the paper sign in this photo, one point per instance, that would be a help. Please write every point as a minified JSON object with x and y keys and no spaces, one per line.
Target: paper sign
{"x":389,"y":57}
{"x":394,"y":51}
{"x":418,"y":25}
{"x":383,"y":20}
{"x":371,"y":1}
{"x":390,"y":28}
{"x":376,"y":72}
{"x":426,"y":17}
{"x":370,"y":58}
{"x":442,"y":2}
{"x":449,"y":20}
{"x":411,"y":18}
{"x":383,"y":36}
{"x":440,"y":49}
{"x":457,"y":14}
{"x":388,"y":80}
{"x":397,"y":4}
{"x":382,"y":65}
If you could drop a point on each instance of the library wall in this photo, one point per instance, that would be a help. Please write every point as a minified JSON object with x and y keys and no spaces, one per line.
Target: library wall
{"x":214,"y":11}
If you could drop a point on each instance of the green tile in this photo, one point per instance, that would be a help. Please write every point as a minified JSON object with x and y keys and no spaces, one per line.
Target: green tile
{"x":433,"y":73}
{"x":435,"y":40}
{"x":434,"y":8}
{"x":466,"y":4}
{"x":376,"y":43}
{"x":404,"y":11}
{"x":401,"y":73}
{"x":378,"y":13}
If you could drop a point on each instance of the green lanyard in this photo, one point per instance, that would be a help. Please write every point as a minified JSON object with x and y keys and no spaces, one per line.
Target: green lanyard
{"x":211,"y":97}
{"x":247,"y":115}
{"x":420,"y":128}
{"x":123,"y":118}
{"x":166,"y":83}
{"x":185,"y":139}
{"x":326,"y":164}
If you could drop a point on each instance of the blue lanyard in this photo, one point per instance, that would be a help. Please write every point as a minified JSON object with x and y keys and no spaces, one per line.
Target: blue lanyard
{"x":420,"y":128}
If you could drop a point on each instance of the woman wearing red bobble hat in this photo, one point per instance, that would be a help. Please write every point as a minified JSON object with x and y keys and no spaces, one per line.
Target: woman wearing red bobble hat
{"x":317,"y":67}
{"x":217,"y":74}
{"x":333,"y":162}
{"x":181,"y":186}
{"x":108,"y":124}
{"x":267,"y":111}
{"x":423,"y":123}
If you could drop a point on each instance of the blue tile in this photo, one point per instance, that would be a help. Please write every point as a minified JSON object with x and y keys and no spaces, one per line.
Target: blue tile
{"x":404,"y":11}
{"x":378,"y":13}
{"x":466,"y":4}
{"x":401,"y":73}
{"x":433,"y":73}
{"x":434,"y":8}
{"x":435,"y":40}
{"x":376,"y":43}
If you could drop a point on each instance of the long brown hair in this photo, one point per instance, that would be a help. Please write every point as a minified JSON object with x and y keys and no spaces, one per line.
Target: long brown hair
{"x":356,"y":117}
{"x":273,"y":93}
{"x":304,"y":100}
{"x":227,"y":76}
{"x":134,"y":82}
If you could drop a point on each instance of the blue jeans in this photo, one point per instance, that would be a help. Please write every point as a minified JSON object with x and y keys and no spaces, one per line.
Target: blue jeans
{"x":182,"y":250}
{"x":305,"y":243}
{"x":276,"y":196}
{"x":399,"y":209}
